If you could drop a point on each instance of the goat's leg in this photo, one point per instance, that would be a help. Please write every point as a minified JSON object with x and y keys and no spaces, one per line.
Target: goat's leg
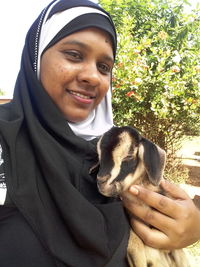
{"x":163,"y":258}
{"x":158,"y":258}
{"x":180,"y":258}
{"x":135,"y":251}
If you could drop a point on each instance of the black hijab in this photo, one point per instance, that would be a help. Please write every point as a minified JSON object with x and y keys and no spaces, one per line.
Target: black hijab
{"x":47,"y":172}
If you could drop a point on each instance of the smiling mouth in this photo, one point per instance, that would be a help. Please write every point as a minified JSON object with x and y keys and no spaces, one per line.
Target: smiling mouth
{"x":80,"y":95}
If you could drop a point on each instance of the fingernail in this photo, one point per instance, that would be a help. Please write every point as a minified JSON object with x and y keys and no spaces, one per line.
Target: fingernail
{"x":134,"y":190}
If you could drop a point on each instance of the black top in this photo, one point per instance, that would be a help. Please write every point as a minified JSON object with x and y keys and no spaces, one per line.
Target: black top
{"x":19,"y":245}
{"x":59,"y":215}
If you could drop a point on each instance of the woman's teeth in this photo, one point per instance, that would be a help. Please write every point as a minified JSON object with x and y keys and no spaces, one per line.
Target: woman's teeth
{"x":80,"y":95}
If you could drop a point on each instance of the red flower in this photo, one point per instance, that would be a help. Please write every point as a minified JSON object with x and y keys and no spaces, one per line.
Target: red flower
{"x":130,"y":93}
{"x":134,"y":94}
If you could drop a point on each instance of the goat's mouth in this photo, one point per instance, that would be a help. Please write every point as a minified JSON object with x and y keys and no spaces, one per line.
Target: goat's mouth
{"x":109,"y":190}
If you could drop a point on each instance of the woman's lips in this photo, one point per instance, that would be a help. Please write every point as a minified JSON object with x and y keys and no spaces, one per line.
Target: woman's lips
{"x":83,"y":98}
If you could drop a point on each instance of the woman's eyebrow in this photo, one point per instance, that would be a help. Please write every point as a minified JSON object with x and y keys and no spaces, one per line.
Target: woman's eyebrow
{"x":85,"y":46}
{"x":75,"y":42}
{"x":110,"y":59}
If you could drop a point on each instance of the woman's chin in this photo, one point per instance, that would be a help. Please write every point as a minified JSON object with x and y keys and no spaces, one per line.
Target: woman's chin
{"x":77,"y":118}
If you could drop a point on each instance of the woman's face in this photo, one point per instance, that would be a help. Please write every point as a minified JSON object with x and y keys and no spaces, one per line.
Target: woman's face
{"x":76,"y":72}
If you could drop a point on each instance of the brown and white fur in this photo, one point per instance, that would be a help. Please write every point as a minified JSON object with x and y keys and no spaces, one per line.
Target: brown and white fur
{"x":127,"y":158}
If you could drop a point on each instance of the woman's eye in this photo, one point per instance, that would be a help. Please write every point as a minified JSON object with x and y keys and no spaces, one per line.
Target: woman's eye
{"x":104,"y":68}
{"x":73,"y":55}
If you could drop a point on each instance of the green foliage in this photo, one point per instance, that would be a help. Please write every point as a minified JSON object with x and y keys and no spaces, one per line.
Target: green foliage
{"x":2,"y":92}
{"x":156,"y":80}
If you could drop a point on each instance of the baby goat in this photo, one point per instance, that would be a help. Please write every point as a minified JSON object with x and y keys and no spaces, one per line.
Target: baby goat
{"x":127,"y":158}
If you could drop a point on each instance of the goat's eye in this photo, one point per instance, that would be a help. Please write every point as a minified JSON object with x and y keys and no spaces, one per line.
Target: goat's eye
{"x":128,"y":157}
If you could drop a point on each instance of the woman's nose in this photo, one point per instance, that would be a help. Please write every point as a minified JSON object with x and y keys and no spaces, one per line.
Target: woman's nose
{"x":89,"y":74}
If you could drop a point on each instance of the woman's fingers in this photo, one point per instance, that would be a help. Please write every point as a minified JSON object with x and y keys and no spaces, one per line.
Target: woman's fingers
{"x":174,"y":190}
{"x":157,"y":201}
{"x":150,"y":236}
{"x":175,"y":221}
{"x":148,"y":215}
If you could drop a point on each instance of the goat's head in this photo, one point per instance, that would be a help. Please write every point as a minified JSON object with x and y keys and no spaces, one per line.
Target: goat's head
{"x":126,"y":158}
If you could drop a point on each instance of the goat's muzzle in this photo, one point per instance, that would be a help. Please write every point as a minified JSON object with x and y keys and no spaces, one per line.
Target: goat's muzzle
{"x":106,"y":188}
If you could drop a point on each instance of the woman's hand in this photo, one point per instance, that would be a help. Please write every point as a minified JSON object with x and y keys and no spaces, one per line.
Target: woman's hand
{"x":176,"y":221}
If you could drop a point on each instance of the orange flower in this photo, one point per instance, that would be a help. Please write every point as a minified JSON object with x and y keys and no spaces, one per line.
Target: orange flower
{"x":120,"y":64}
{"x":175,"y":69}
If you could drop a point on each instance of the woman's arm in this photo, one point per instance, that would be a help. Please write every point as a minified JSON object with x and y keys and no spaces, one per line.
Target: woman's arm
{"x":177,"y":221}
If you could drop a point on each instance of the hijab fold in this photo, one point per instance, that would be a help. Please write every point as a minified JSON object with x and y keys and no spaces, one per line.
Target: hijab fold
{"x":47,"y":166}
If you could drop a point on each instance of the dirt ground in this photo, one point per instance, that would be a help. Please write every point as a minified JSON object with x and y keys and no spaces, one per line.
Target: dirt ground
{"x":194,"y":175}
{"x":190,"y":154}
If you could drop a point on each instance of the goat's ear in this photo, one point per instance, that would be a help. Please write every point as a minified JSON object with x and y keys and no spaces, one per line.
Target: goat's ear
{"x":154,"y":159}
{"x":94,"y":168}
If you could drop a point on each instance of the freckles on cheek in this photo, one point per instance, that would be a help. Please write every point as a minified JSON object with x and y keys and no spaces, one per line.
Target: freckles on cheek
{"x":60,"y":68}
{"x":62,"y":72}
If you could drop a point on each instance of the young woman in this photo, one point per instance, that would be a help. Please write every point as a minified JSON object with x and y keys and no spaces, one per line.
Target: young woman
{"x":51,"y":213}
